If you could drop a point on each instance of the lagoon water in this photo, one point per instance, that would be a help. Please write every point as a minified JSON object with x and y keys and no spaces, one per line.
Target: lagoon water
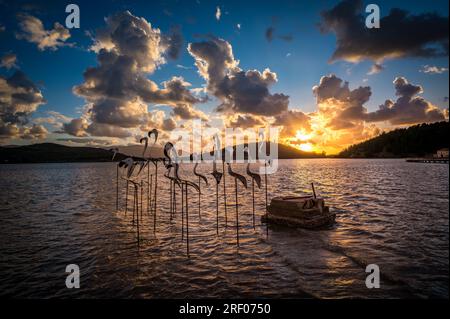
{"x":389,"y":212}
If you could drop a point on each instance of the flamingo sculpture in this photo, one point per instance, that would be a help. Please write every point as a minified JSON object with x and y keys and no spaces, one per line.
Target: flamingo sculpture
{"x":217,"y":176}
{"x":243,"y":180}
{"x":130,"y":165}
{"x":115,"y":151}
{"x":169,"y":148}
{"x":149,"y":177}
{"x":260,"y":148}
{"x":186,"y":197}
{"x":200,"y":177}
{"x":217,"y":143}
{"x":173,"y":182}
{"x":154,"y":160}
{"x":255,"y":178}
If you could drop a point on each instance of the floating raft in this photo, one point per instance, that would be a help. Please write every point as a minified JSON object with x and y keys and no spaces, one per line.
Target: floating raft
{"x":305,"y":212}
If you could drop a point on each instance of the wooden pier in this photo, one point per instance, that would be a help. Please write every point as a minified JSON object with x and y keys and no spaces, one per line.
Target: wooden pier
{"x":428,"y":160}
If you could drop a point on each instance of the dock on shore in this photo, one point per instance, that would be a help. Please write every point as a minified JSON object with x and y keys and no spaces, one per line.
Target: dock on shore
{"x":428,"y":160}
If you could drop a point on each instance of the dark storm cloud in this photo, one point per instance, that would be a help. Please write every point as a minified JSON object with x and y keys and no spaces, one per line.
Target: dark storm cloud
{"x":239,"y":91}
{"x":401,"y":34}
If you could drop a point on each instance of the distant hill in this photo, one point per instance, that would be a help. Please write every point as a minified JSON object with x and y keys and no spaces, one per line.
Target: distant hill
{"x":56,"y":153}
{"x":415,"y":141}
{"x":53,"y":153}
{"x":284,"y":152}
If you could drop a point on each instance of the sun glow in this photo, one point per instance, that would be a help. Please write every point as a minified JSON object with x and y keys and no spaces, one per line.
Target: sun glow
{"x":306,"y":147}
{"x":303,"y":136}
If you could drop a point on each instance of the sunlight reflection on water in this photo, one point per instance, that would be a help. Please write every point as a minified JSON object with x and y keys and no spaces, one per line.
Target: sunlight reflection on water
{"x":389,"y":212}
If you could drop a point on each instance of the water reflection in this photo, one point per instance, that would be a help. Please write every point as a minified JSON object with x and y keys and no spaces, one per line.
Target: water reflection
{"x":391,"y":213}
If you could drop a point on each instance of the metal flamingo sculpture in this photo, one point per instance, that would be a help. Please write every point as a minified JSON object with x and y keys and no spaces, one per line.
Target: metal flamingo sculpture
{"x":200,"y":177}
{"x":155,"y":161}
{"x":255,"y":178}
{"x":169,"y":148}
{"x":243,"y":180}
{"x":115,"y":151}
{"x":149,"y":177}
{"x":186,"y":197}
{"x":173,"y":182}
{"x":130,"y":165}
{"x":260,"y":148}
{"x":217,"y":176}
{"x":217,"y":145}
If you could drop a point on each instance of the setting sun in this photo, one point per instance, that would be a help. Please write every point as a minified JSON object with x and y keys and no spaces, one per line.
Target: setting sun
{"x":302,"y":136}
{"x":307,"y":147}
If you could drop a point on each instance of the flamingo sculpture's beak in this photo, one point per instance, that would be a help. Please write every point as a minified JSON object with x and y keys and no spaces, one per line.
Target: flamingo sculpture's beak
{"x":145,"y":140}
{"x":153,"y":132}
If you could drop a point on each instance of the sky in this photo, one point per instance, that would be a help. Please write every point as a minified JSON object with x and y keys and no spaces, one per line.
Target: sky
{"x":311,"y":68}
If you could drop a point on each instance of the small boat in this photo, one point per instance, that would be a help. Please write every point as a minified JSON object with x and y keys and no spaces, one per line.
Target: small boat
{"x":299,"y":211}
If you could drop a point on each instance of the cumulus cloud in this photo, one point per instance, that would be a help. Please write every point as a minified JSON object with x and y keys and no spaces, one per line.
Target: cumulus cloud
{"x":32,"y":30}
{"x":54,"y":119}
{"x":118,"y":90}
{"x":19,"y":98}
{"x":355,"y":42}
{"x":375,"y":68}
{"x":173,"y":42}
{"x":238,"y":90}
{"x":8,"y":61}
{"x":344,"y":108}
{"x":34,"y":132}
{"x":246,"y":121}
{"x":292,"y":121}
{"x":431,"y":69}
{"x":186,"y":112}
{"x":409,"y":108}
{"x":76,"y":127}
{"x":13,"y":131}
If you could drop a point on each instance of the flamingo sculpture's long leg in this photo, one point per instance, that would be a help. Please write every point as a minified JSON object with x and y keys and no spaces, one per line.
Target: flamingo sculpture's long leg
{"x":225,"y":193}
{"x":150,"y":198}
{"x":174,"y":195}
{"x":237,"y":212}
{"x":134,"y":203}
{"x":199,"y":198}
{"x":142,"y":196}
{"x":126,"y":197}
{"x":155,"y":197}
{"x":170,"y":199}
{"x":217,"y":208}
{"x":148,"y":187}
{"x":265,"y":182}
{"x":187,"y":220}
{"x":182,"y":211}
{"x":137,"y":211}
{"x":253,"y":198}
{"x":117,"y":188}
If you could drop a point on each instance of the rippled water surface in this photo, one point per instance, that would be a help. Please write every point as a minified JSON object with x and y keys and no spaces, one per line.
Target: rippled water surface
{"x":389,"y":212}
